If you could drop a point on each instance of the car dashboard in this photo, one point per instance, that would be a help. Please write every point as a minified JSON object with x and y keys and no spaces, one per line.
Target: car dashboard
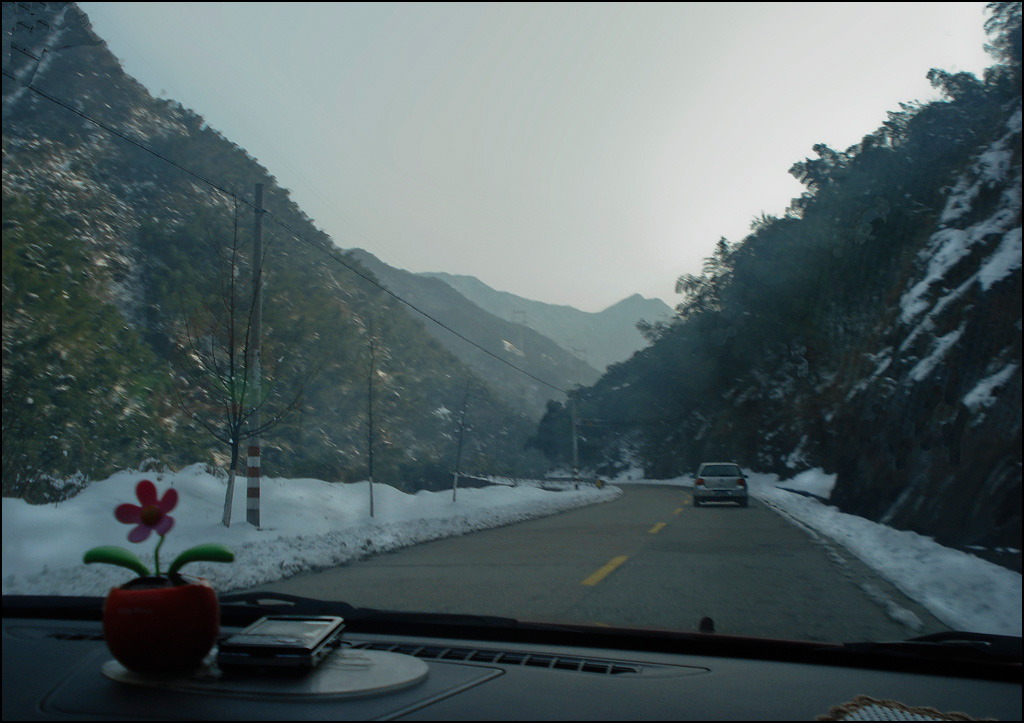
{"x":54,"y":661}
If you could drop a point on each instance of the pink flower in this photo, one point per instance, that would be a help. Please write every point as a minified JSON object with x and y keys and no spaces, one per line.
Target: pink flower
{"x":151,"y":515}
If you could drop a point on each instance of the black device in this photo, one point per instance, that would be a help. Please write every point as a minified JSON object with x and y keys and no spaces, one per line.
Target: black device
{"x":283,"y":641}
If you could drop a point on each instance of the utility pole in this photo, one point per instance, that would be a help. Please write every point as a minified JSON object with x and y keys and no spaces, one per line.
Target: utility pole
{"x":369,"y":410}
{"x":252,"y":496}
{"x":575,"y":446}
{"x":458,"y":450}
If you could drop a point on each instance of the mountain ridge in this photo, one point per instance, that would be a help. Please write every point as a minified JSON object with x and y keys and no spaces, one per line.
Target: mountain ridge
{"x":604,"y":337}
{"x":514,"y":343}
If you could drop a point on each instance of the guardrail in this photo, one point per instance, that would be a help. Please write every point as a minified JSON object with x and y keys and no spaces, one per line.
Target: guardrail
{"x":554,"y":484}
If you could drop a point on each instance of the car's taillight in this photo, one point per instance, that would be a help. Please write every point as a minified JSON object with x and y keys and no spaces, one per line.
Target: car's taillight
{"x":741,"y":483}
{"x":700,"y":481}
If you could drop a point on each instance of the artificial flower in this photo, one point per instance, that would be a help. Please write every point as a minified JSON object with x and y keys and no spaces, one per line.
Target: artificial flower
{"x":150,"y":515}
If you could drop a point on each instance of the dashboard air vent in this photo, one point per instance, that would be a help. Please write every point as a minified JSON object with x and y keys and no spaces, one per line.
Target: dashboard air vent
{"x":508,"y":657}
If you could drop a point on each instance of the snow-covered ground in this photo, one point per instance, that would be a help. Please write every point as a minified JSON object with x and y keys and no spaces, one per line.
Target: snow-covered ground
{"x":306,"y":524}
{"x":310,"y":524}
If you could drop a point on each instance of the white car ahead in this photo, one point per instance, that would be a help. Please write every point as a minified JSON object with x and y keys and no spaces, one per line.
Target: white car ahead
{"x":720,"y":482}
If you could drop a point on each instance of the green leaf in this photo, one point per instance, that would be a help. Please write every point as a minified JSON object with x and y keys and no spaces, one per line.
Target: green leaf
{"x":112,"y":555}
{"x":211,"y":552}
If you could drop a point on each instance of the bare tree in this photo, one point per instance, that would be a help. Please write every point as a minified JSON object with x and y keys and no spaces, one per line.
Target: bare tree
{"x":219,"y":388}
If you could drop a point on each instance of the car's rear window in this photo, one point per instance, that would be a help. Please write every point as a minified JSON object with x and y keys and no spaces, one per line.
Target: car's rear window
{"x":720,"y":470}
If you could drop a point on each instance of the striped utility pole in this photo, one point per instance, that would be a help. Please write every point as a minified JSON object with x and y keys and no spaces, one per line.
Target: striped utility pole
{"x":575,"y":446}
{"x":458,"y":451}
{"x":369,"y":411}
{"x":252,"y":496}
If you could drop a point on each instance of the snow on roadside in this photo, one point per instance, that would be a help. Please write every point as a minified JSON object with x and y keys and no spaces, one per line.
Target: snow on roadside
{"x":963,"y":591}
{"x":812,"y":481}
{"x":306,"y":524}
{"x":311,"y":524}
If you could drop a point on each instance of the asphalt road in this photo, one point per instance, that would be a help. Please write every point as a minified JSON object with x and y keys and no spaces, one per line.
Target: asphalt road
{"x":649,"y":559}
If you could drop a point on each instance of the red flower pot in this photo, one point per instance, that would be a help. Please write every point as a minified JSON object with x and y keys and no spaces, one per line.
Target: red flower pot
{"x":153,"y":625}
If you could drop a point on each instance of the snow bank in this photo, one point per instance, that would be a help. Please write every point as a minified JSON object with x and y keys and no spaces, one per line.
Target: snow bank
{"x":963,"y":591}
{"x":307,"y":524}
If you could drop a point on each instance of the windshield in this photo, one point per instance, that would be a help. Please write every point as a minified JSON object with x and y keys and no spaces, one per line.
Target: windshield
{"x":439,"y":308}
{"x":719,"y":470}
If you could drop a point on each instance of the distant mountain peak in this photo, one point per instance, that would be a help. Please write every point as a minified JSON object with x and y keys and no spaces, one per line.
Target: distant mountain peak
{"x":601,"y":338}
{"x":507,"y":336}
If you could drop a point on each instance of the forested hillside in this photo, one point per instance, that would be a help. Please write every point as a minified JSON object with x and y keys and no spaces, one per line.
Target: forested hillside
{"x":127,"y":249}
{"x":873,"y":330}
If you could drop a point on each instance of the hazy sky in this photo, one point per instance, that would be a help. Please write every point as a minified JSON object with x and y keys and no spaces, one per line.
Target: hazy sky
{"x":573,"y":154}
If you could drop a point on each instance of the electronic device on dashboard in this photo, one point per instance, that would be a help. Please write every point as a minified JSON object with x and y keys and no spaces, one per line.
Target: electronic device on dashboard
{"x":283,"y":640}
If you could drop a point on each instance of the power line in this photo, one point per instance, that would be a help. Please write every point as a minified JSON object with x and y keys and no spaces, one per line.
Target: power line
{"x":284,"y":225}
{"x":412,"y":306}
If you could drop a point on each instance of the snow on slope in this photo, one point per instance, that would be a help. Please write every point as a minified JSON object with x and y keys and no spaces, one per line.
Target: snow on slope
{"x":950,"y":245}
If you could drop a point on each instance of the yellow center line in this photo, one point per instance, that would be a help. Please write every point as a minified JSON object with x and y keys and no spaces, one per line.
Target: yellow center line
{"x":656,"y":528}
{"x":605,"y":571}
{"x":678,"y":510}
